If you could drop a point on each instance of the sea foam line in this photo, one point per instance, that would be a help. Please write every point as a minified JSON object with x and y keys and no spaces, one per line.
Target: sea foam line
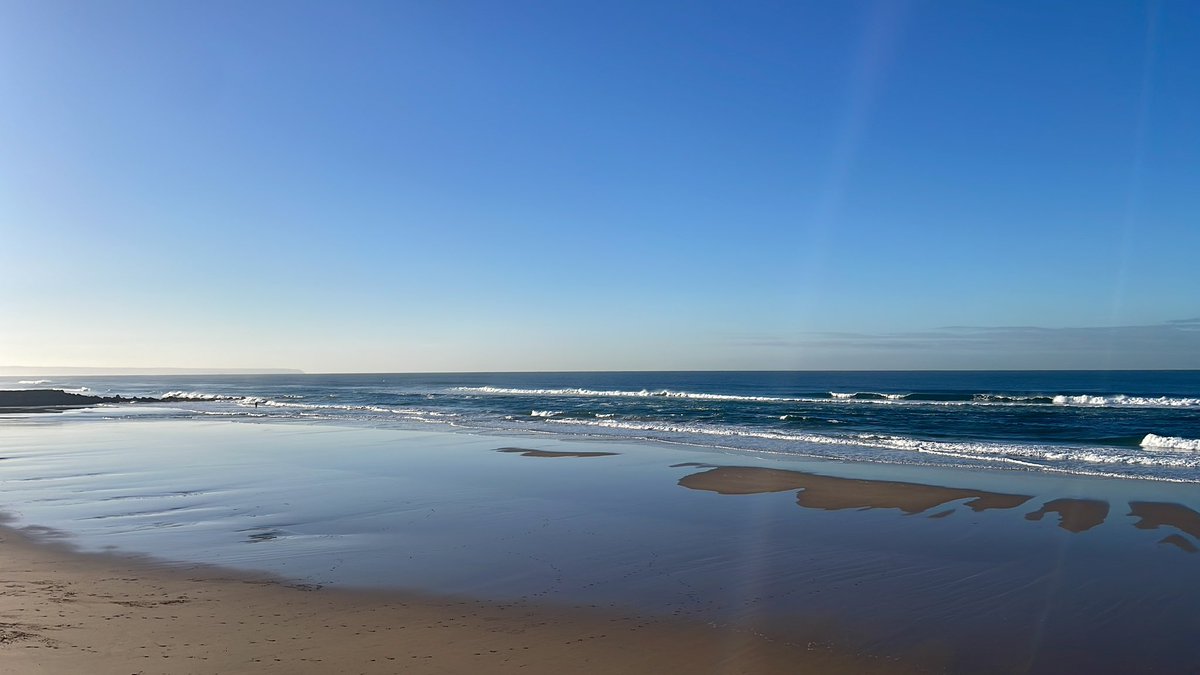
{"x":198,"y":396}
{"x":914,"y":398}
{"x":644,"y":393}
{"x":979,"y":450}
{"x":250,"y":400}
{"x":1124,"y":400}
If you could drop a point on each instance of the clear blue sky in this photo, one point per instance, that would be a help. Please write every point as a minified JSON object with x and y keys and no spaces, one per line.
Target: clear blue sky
{"x":443,"y":185}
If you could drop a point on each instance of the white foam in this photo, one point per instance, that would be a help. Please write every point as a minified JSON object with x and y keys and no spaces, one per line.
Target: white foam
{"x":867,"y":398}
{"x":1025,"y":454}
{"x":199,"y":396}
{"x":544,"y":413}
{"x":1154,"y":441}
{"x":34,"y":381}
{"x":411,"y":413}
{"x":1123,"y":400}
{"x":644,"y":393}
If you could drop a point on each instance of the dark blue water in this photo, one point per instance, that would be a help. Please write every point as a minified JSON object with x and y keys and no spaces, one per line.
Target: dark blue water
{"x":1136,"y":424}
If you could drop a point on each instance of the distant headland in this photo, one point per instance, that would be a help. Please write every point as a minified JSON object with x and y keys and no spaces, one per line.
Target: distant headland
{"x":95,"y":371}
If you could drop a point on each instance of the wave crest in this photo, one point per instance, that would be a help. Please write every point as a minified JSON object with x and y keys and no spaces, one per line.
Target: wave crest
{"x":1124,"y":400}
{"x":198,"y":396}
{"x":644,"y":393}
{"x":1171,"y":443}
{"x":866,"y":397}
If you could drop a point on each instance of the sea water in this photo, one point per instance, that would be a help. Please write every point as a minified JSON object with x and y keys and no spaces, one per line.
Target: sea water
{"x":1126,"y":424}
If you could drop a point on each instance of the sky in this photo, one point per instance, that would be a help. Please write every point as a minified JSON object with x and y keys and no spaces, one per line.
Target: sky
{"x":599,"y":185}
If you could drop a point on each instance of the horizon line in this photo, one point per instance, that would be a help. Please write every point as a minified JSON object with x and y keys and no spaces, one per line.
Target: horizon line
{"x":118,"y":372}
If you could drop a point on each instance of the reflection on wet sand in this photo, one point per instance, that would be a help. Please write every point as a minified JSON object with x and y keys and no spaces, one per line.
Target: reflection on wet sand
{"x":1075,"y":515}
{"x":526,"y":452}
{"x":831,"y":493}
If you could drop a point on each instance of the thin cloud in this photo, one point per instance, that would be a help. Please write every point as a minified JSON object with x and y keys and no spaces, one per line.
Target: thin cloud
{"x":1171,"y":344}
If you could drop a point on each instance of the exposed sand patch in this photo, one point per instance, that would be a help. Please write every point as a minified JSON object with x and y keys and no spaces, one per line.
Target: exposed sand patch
{"x":526,"y":452}
{"x":831,"y":493}
{"x":1075,"y":515}
{"x":1156,"y":514}
{"x":1179,"y":541}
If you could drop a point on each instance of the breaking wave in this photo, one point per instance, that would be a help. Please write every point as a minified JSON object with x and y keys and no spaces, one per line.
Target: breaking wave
{"x":644,"y":393}
{"x":1123,"y":400}
{"x":407,"y":412}
{"x":1155,"y":441}
{"x":925,"y":398}
{"x":197,"y":396}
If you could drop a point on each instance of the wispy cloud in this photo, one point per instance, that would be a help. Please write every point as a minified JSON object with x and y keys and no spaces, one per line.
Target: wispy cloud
{"x":1171,"y":344}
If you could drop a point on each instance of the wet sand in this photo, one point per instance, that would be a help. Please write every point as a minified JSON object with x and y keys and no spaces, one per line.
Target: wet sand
{"x":65,"y":612}
{"x":551,"y":454}
{"x":621,"y":557}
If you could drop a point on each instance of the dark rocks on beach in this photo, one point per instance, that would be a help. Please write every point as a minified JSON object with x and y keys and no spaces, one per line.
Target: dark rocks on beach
{"x":57,"y":398}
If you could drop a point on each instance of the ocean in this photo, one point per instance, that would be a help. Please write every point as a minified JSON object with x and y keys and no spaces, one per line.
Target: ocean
{"x":1028,"y":522}
{"x":1121,"y":424}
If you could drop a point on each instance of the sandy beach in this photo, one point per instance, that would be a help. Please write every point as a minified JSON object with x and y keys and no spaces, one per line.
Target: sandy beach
{"x":215,"y":547}
{"x":65,"y":612}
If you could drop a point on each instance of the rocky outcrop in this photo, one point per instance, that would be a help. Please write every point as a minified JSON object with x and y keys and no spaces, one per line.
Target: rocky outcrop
{"x":57,"y":398}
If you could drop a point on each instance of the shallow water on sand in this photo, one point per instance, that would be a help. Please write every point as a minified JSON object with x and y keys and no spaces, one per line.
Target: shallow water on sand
{"x":997,"y":567}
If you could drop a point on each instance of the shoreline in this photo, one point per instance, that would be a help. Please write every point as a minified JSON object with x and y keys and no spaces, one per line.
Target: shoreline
{"x":67,"y":611}
{"x":1133,"y":426}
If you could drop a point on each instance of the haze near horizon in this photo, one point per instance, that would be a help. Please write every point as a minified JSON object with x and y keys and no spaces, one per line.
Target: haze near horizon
{"x":469,"y":186}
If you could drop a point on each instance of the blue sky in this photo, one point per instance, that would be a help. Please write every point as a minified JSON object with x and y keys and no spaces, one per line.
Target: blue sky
{"x":599,"y":185}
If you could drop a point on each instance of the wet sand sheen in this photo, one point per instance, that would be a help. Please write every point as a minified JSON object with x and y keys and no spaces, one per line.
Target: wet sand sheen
{"x":616,"y":534}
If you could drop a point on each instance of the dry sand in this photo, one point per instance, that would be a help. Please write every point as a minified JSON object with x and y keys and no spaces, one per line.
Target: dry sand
{"x":65,"y":612}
